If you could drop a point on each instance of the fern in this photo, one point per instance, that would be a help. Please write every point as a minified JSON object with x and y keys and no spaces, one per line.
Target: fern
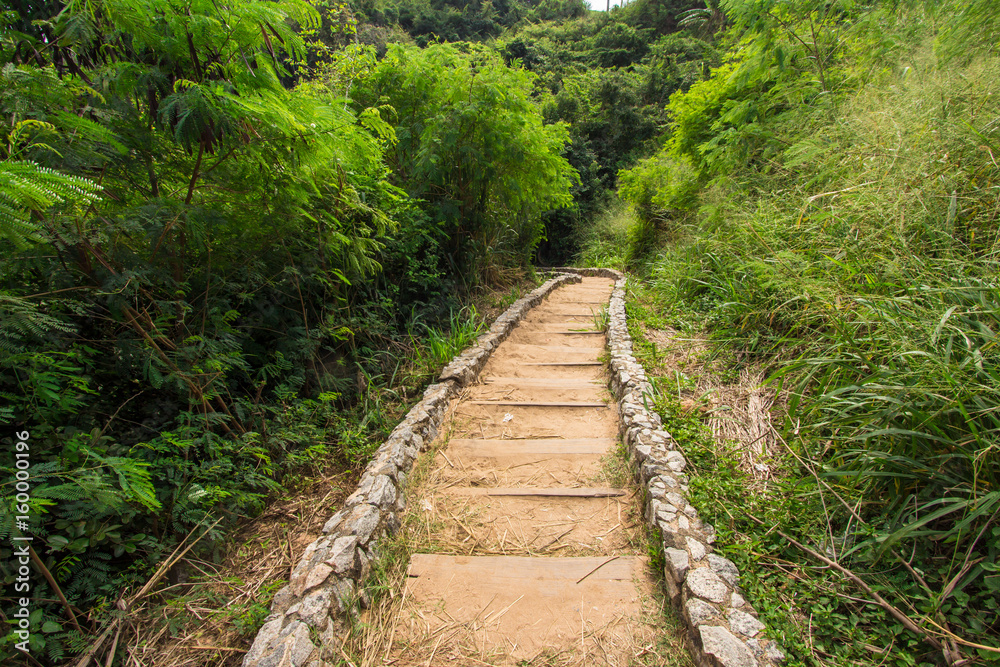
{"x":26,"y":188}
{"x":21,"y":321}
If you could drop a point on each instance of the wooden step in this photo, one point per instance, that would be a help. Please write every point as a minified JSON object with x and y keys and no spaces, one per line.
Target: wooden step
{"x":544,"y":404}
{"x":530,"y":446}
{"x":550,"y":383}
{"x":562,"y":327}
{"x":495,"y":568}
{"x":581,"y":302}
{"x":519,"y":606}
{"x":562,"y":363}
{"x":527,"y":491}
{"x":566,"y":349}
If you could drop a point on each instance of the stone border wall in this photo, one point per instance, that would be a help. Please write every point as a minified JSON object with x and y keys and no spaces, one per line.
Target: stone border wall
{"x":722,"y":628}
{"x":326,"y":585}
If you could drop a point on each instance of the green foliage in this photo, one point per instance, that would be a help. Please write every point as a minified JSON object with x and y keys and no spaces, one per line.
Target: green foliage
{"x":204,"y":261}
{"x":26,"y":188}
{"x":826,"y":206}
{"x":472,"y":146}
{"x":429,"y":21}
{"x":609,"y":77}
{"x":436,"y":347}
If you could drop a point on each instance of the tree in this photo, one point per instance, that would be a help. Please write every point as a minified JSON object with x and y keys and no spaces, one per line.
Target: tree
{"x":473,"y":146}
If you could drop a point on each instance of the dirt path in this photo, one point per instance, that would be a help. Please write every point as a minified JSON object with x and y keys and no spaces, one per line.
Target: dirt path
{"x":530,"y":546}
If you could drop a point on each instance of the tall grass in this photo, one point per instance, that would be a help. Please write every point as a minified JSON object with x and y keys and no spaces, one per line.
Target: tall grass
{"x":610,"y":240}
{"x":901,"y":401}
{"x":434,"y":347}
{"x":859,"y":258}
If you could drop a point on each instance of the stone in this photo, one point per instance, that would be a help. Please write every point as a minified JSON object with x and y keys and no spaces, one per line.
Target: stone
{"x":316,"y":576}
{"x":343,"y":559}
{"x":744,"y":623}
{"x":699,"y":611}
{"x":315,"y":551}
{"x":315,"y":609}
{"x":696,"y":548}
{"x":650,"y":470}
{"x":344,"y":592}
{"x":737,"y":600}
{"x":677,"y":563}
{"x":725,"y":568}
{"x":671,"y":538}
{"x":364,"y":565}
{"x":653,"y":510}
{"x":665,"y":520}
{"x":683,"y":523}
{"x":265,"y":637}
{"x":281,"y":600}
{"x":301,"y":648}
{"x":403,"y":453}
{"x":363,"y":487}
{"x":400,"y":495}
{"x":725,"y":647}
{"x":291,"y":647}
{"x":690,"y":511}
{"x":382,"y":492}
{"x":706,"y":584}
{"x":362,"y":522}
{"x":675,"y":498}
{"x":774,"y":653}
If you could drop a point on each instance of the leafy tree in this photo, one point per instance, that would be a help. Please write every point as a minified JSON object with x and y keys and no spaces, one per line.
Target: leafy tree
{"x":184,"y":219}
{"x":473,"y":147}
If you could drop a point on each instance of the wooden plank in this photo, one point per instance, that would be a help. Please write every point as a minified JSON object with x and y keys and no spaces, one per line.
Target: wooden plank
{"x":557,"y":327}
{"x":578,"y":318}
{"x":556,"y":383}
{"x":544,"y":404}
{"x":589,"y":315}
{"x":562,"y":363}
{"x":527,"y":568}
{"x":561,"y":348}
{"x":515,"y":608}
{"x":554,"y":492}
{"x":581,"y":302}
{"x":530,"y":446}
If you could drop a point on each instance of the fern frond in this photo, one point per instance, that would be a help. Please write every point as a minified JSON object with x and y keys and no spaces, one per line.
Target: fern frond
{"x":27,"y":187}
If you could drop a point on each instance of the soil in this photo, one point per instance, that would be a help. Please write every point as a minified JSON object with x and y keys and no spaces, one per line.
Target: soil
{"x":527,"y":543}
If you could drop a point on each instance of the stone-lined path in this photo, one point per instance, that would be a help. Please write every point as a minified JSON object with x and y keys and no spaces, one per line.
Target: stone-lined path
{"x":533,"y":552}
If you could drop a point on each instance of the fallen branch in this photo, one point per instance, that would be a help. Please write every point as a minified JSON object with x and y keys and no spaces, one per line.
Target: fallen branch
{"x":55,"y":587}
{"x":126,"y":604}
{"x":597,"y":568}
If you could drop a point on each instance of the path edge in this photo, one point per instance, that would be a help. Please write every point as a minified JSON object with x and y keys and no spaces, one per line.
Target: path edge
{"x":325,"y":586}
{"x":723,"y":629}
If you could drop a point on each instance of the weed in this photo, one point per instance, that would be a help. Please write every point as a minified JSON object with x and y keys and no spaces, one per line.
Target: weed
{"x":436,"y":347}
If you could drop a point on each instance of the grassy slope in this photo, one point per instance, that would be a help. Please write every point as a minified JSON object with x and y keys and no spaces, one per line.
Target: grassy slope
{"x":842,"y":235}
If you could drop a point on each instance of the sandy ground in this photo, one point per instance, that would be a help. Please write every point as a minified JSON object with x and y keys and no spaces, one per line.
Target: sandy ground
{"x":529,"y":547}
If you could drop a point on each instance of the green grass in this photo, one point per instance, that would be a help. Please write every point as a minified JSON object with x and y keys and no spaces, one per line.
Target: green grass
{"x":848,"y":243}
{"x":434,"y":347}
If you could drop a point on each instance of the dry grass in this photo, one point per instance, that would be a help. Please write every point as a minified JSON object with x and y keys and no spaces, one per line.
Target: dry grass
{"x":211,"y":618}
{"x":738,"y":410}
{"x":393,"y":632}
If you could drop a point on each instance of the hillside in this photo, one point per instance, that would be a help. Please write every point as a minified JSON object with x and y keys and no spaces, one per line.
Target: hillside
{"x":236,"y":242}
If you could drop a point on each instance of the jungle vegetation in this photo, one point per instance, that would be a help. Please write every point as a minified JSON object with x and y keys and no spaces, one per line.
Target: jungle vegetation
{"x":228,"y":230}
